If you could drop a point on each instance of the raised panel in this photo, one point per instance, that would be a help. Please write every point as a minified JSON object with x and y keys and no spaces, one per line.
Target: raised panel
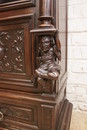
{"x":47,"y":117}
{"x":16,"y":54}
{"x":26,"y":116}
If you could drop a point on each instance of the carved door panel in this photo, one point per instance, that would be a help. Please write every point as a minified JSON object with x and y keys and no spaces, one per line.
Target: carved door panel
{"x":16,"y":54}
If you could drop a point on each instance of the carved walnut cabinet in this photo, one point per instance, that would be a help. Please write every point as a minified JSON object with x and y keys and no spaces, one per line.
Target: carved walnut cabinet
{"x":33,"y":65}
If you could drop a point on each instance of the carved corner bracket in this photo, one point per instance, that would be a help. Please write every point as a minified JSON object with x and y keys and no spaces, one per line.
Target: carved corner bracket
{"x":48,"y":50}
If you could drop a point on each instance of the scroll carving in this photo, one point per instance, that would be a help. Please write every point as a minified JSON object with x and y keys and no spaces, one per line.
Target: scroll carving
{"x":12,"y":51}
{"x":22,"y":114}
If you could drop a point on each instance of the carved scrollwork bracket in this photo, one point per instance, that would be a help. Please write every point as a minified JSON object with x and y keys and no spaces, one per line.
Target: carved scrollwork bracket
{"x":48,"y":50}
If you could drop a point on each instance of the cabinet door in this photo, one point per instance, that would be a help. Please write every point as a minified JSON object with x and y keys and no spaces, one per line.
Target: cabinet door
{"x":16,"y":65}
{"x":17,"y":46}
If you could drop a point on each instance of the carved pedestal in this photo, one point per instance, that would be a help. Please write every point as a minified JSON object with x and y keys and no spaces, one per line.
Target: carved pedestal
{"x":33,"y":67}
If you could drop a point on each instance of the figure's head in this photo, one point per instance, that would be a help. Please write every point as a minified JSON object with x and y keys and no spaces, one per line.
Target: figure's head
{"x":45,"y":43}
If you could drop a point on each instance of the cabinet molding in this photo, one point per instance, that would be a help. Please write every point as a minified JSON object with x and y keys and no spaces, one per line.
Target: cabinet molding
{"x":16,"y":4}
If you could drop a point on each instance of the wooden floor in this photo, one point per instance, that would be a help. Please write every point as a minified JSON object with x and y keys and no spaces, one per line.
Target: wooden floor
{"x":79,"y":121}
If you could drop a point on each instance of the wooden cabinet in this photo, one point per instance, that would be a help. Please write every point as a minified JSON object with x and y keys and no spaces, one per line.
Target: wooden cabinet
{"x":33,"y":65}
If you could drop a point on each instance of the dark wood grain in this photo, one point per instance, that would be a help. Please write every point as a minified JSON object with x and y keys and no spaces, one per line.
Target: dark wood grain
{"x":33,"y":67}
{"x":15,"y":4}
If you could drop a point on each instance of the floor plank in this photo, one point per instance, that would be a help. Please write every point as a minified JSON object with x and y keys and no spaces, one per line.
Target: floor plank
{"x":78,"y":121}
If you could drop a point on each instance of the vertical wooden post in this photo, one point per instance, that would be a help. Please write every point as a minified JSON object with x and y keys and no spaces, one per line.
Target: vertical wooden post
{"x":46,"y":8}
{"x":46,"y":13}
{"x":48,"y":49}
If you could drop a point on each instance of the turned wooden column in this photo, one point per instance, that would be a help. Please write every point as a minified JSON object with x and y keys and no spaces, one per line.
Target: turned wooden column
{"x":46,"y":13}
{"x":46,"y":7}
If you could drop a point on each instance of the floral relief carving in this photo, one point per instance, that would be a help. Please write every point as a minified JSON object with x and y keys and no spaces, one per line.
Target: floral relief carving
{"x":12,"y":51}
{"x":15,"y":112}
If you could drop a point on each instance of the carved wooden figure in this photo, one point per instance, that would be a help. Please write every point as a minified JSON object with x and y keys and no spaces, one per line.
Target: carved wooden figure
{"x":48,"y":68}
{"x":33,"y":67}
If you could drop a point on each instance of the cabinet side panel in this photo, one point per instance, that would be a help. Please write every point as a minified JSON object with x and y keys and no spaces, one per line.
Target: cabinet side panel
{"x":61,"y":25}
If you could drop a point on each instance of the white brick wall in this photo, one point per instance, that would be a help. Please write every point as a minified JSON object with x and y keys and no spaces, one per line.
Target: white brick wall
{"x":77,"y":54}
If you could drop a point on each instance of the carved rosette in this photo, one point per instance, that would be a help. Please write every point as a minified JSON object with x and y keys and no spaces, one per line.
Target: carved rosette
{"x":48,"y":50}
